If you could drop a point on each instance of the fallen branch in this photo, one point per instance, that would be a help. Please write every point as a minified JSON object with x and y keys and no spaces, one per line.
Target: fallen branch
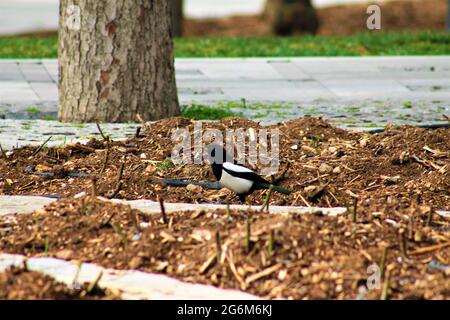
{"x":234,"y":271}
{"x":105,"y":161}
{"x":262,"y":274}
{"x":429,"y":249}
{"x":163,"y":210}
{"x":41,"y":146}
{"x":106,"y":138}
{"x":119,"y":179}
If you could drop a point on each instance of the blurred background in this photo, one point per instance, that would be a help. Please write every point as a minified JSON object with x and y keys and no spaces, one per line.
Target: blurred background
{"x":200,"y":18}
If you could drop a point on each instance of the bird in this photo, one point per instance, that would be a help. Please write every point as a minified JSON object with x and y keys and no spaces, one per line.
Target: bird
{"x":235,"y":177}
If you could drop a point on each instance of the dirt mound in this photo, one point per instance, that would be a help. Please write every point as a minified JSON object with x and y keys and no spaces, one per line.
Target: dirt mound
{"x":334,"y":20}
{"x":322,"y":165}
{"x":273,"y":256}
{"x":21,"y":284}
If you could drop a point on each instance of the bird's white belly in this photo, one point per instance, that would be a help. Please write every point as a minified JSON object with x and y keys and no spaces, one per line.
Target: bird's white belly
{"x":235,"y":184}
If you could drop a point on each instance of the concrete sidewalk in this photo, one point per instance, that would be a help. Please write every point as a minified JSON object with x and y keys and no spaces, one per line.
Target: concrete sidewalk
{"x":267,"y":79}
{"x":363,"y":92}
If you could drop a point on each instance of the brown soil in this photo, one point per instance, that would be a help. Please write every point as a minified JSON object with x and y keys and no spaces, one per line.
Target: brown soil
{"x":20,"y":284}
{"x":285,"y":256}
{"x":336,"y":20}
{"x":326,"y":166}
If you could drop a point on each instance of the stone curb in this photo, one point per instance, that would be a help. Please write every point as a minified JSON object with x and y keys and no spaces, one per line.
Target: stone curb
{"x":132,"y":284}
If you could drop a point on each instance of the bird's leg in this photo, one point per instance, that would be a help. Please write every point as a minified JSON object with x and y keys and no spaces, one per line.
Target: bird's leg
{"x":241,"y":198}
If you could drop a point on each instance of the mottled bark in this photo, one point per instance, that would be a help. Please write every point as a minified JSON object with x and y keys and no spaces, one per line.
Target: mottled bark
{"x":116,"y":61}
{"x":177,"y":17}
{"x":291,"y":16}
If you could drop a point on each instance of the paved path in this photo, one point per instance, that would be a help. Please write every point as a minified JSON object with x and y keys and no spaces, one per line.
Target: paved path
{"x":350,"y":92}
{"x":27,"y":204}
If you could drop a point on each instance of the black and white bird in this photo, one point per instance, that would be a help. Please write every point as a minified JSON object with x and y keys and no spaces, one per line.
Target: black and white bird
{"x":237,"y":178}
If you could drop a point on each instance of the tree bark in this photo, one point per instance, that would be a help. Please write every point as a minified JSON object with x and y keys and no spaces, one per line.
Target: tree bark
{"x":177,"y":17}
{"x":291,"y":16}
{"x":116,"y":61}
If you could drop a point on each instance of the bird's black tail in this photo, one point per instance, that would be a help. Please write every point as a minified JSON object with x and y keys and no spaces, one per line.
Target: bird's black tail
{"x":276,"y":188}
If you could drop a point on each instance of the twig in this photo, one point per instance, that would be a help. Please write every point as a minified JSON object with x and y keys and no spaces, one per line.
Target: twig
{"x":41,"y":146}
{"x":281,"y":176}
{"x":207,"y":263}
{"x":94,"y":187}
{"x":119,"y":231}
{"x":404,"y":244}
{"x":262,"y":274}
{"x":304,"y":200}
{"x":106,"y":138}
{"x":247,"y":235}
{"x":107,"y":222}
{"x":163,"y":210}
{"x":271,"y":248}
{"x":430,"y":249}
{"x":140,"y":119}
{"x":446,"y":117}
{"x":334,"y":197}
{"x":105,"y":161}
{"x":218,"y":248}
{"x":430,"y":217}
{"x":135,"y":220}
{"x":138,"y":132}
{"x":383,"y":261}
{"x":3,"y":153}
{"x":75,"y":283}
{"x":46,"y":246}
{"x":25,"y":264}
{"x":94,"y":283}
{"x":308,"y":182}
{"x":119,"y":178}
{"x":385,"y":292}
{"x":355,"y":208}
{"x":266,"y":201}
{"x":234,"y":271}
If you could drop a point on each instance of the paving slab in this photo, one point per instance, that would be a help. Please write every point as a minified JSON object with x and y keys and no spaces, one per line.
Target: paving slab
{"x":27,"y":204}
{"x":133,"y":284}
{"x":349,"y":92}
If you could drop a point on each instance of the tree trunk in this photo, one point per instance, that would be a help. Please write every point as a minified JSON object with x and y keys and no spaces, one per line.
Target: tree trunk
{"x":177,"y":17}
{"x":116,"y":61}
{"x":291,"y":16}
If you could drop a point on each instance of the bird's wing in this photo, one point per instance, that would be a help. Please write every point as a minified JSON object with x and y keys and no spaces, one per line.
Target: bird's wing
{"x":242,"y":172}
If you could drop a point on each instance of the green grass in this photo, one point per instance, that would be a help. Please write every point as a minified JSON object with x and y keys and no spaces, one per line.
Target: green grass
{"x":33,"y":110}
{"x":365,"y":44}
{"x":203,"y":112}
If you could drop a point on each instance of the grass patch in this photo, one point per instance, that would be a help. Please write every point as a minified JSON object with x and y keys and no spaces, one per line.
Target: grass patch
{"x":203,"y":112}
{"x":33,"y":110}
{"x":407,"y":104}
{"x":364,"y":44}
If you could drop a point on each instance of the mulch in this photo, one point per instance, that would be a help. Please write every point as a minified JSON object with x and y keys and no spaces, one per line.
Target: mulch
{"x":18,"y":283}
{"x":309,"y":256}
{"x":392,"y":183}
{"x":321,"y":164}
{"x":412,"y":15}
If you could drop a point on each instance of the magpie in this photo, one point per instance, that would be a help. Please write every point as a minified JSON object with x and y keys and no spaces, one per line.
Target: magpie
{"x":235,"y":177}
